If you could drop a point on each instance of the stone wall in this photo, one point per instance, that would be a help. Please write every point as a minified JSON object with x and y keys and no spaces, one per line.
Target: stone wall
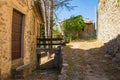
{"x":89,"y":31}
{"x":31,"y":22}
{"x":109,"y":26}
{"x":108,"y":20}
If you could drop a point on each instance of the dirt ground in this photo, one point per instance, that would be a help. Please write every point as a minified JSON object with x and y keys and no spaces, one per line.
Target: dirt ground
{"x":50,"y":74}
{"x":87,"y":60}
{"x":46,"y":71}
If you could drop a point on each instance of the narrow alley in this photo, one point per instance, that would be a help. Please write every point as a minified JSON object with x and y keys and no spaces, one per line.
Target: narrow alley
{"x":87,"y":61}
{"x":59,"y":39}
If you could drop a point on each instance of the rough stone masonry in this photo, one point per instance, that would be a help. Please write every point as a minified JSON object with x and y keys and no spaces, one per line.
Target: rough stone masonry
{"x":30,"y":23}
{"x":109,"y":25}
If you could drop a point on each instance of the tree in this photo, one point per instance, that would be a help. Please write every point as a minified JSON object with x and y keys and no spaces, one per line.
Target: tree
{"x":49,"y":7}
{"x":56,"y":31}
{"x":73,"y":26}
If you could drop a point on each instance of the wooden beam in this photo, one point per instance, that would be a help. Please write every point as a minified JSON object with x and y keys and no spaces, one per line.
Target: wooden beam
{"x":48,"y":39}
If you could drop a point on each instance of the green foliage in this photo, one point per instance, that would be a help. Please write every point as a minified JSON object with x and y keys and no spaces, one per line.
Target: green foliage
{"x":56,"y":32}
{"x":73,"y":26}
{"x":113,"y":55}
{"x":118,"y":1}
{"x":60,"y":5}
{"x":42,"y":30}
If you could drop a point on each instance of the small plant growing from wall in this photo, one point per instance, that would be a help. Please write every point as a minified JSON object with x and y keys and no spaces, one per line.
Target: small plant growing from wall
{"x":102,"y":1}
{"x":118,"y":2}
{"x":113,"y":55}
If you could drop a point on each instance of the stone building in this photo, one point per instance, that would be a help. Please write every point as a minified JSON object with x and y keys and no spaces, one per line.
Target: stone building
{"x":89,"y":31}
{"x":108,"y":20}
{"x":19,"y":21}
{"x":109,"y":25}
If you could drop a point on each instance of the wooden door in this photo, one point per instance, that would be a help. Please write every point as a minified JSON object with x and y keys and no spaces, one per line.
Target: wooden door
{"x":16,"y":34}
{"x":0,"y":74}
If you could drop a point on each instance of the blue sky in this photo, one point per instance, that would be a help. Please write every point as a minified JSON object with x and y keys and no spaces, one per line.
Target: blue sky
{"x":86,"y":8}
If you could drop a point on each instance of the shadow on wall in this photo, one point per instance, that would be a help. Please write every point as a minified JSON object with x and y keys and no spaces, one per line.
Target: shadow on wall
{"x":96,"y":56}
{"x":113,"y":47}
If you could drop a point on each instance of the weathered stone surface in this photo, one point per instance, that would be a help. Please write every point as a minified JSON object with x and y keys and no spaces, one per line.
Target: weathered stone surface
{"x":109,"y":26}
{"x":63,"y":72}
{"x":32,"y":21}
{"x":89,"y":31}
{"x":108,"y":20}
{"x":2,"y":2}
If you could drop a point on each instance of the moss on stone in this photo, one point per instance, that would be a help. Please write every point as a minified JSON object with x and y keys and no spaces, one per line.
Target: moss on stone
{"x":102,"y":1}
{"x":118,"y":2}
